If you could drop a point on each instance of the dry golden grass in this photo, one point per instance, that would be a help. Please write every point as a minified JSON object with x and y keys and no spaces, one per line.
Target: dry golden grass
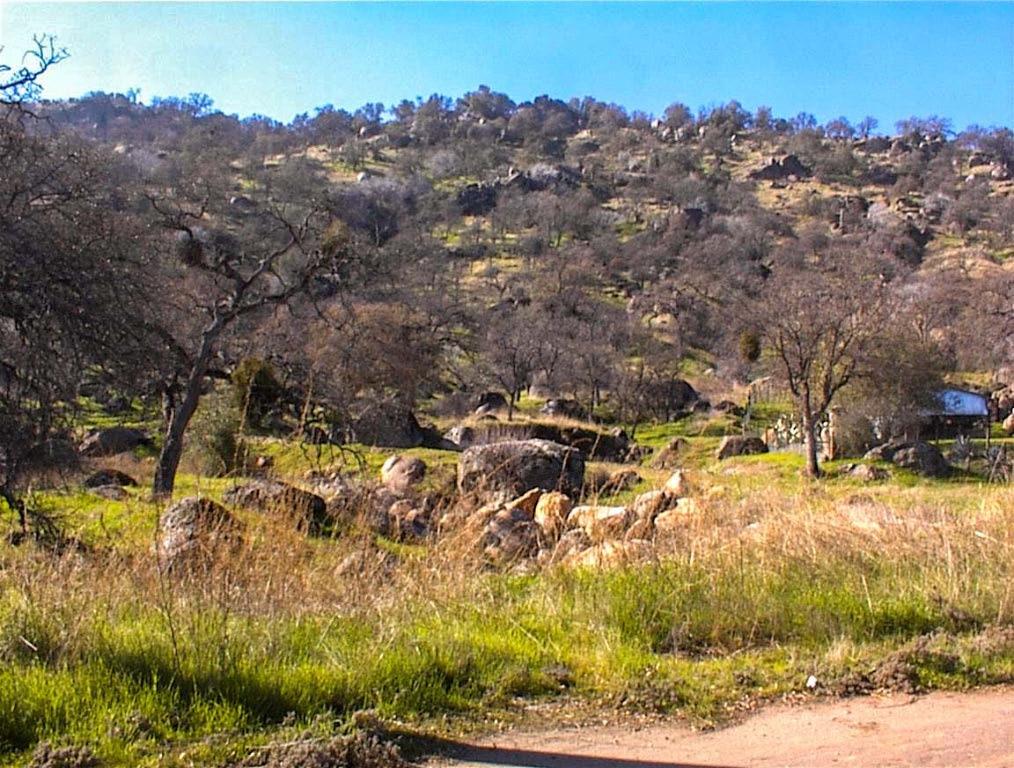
{"x":765,"y":580}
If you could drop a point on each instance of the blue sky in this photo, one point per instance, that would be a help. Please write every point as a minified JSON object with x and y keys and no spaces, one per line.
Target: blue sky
{"x":856,"y":59}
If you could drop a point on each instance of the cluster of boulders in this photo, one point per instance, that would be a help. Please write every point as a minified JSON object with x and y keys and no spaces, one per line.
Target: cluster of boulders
{"x":394,"y":508}
{"x":926,"y":144}
{"x":614,"y":445}
{"x":546,"y":526}
{"x":515,"y":500}
{"x":478,"y":199}
{"x":999,"y":170}
{"x":524,"y":508}
{"x":915,"y":455}
{"x":785,"y":168}
{"x":330,"y":505}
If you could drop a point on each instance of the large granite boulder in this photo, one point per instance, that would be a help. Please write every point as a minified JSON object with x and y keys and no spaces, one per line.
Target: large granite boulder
{"x":107,"y":477}
{"x":402,"y":473}
{"x":509,"y":469}
{"x":307,"y":510}
{"x":387,"y":424}
{"x":740,"y":445}
{"x":108,"y":442}
{"x":195,"y":532}
{"x":916,"y":455}
{"x":672,"y":399}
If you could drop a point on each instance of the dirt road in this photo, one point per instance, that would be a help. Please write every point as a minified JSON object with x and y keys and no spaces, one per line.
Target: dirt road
{"x":939,"y":729}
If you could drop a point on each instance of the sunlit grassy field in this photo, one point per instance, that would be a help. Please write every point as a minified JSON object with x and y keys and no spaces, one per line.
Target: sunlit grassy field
{"x":771,"y":579}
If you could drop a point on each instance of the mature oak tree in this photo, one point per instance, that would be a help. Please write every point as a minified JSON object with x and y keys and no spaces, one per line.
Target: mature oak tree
{"x":235,"y":275}
{"x":68,"y":276}
{"x":821,"y":325}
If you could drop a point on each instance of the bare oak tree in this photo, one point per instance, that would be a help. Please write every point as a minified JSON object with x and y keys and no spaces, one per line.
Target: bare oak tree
{"x":821,"y":325}
{"x":67,"y":277}
{"x":235,"y":277}
{"x":20,"y":84}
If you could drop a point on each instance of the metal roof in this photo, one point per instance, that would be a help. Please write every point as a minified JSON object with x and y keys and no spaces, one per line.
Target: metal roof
{"x":960,"y":402}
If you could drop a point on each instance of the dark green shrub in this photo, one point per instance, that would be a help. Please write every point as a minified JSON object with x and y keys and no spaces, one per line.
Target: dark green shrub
{"x":256,"y":390}
{"x":749,"y":346}
{"x":215,"y":444}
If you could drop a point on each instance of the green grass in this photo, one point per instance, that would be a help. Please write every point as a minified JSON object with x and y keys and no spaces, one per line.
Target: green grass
{"x":764,"y":414}
{"x":698,"y":431}
{"x":99,"y":521}
{"x":293,"y":459}
{"x":91,"y":415}
{"x":682,"y":636}
{"x":774,"y":579}
{"x":455,"y":183}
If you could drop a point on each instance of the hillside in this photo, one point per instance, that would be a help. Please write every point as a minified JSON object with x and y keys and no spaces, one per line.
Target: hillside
{"x":476,"y":220}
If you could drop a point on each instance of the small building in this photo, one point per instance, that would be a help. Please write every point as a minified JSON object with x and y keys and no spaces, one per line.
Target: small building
{"x":959,"y":413}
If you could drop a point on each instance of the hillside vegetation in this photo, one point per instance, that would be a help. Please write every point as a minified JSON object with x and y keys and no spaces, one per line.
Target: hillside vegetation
{"x":416,"y":257}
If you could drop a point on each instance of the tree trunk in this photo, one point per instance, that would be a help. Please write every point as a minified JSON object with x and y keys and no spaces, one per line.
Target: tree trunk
{"x":172,"y":448}
{"x":810,"y":439}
